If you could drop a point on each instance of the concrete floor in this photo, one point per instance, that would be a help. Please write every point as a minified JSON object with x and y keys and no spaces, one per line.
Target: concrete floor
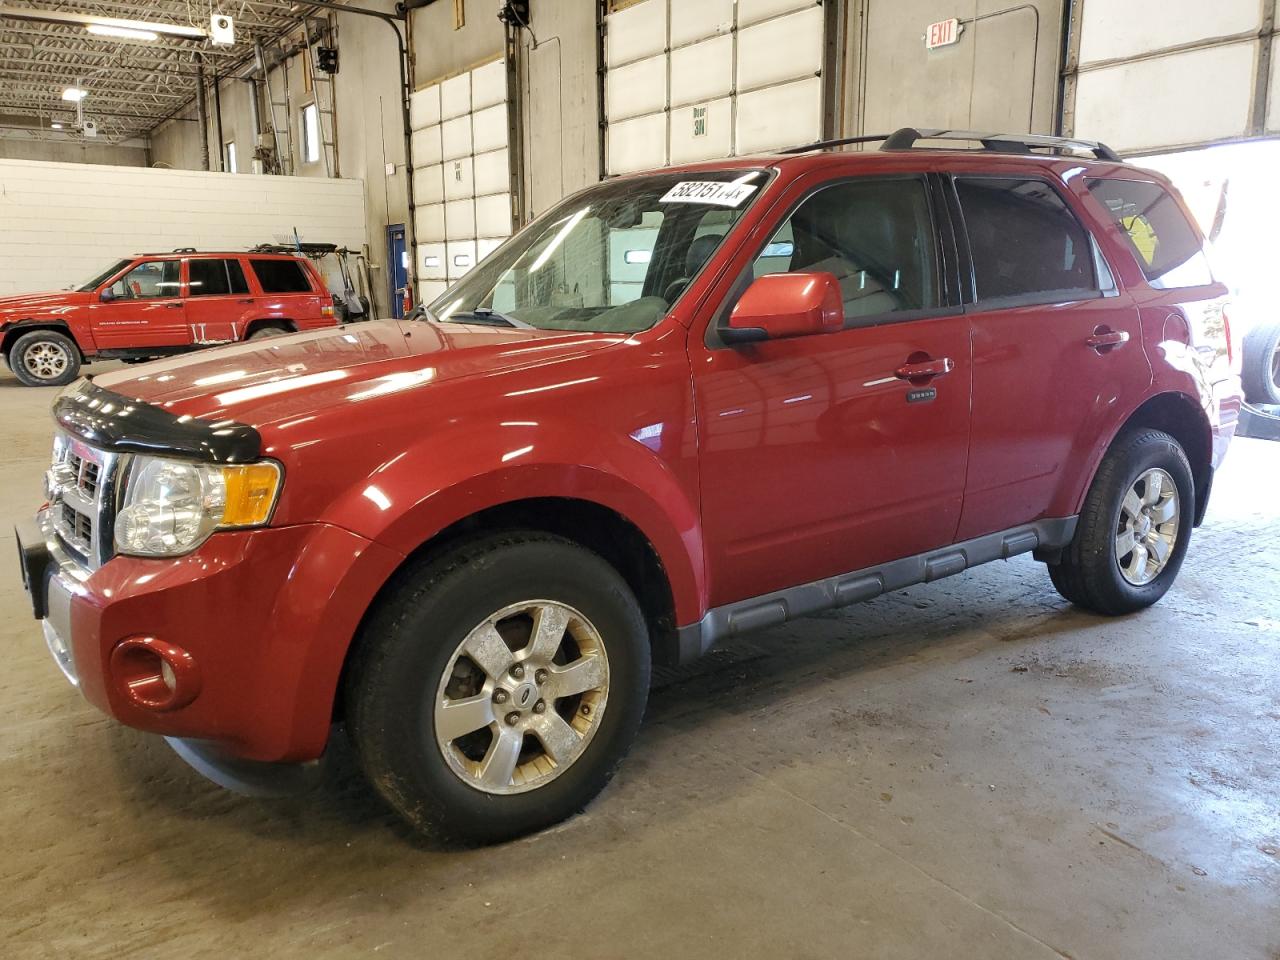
{"x":967,"y":769}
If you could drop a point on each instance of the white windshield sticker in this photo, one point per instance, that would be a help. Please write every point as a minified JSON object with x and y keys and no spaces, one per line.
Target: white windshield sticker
{"x":709,"y":191}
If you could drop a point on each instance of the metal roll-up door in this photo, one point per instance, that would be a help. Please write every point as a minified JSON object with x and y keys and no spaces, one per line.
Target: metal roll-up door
{"x":699,"y":81}
{"x":1150,"y":76}
{"x":462,"y":176}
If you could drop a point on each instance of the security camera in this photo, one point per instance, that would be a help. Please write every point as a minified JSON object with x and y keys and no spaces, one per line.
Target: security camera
{"x":222,"y":30}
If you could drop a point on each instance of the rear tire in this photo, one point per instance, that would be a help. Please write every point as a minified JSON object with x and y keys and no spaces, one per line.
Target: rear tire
{"x":1134,"y":529}
{"x":420,"y":656}
{"x":262,"y":333}
{"x":44,"y":358}
{"x":1260,"y":372}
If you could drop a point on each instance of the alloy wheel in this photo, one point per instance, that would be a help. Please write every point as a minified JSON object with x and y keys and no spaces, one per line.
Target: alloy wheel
{"x":46,"y":360}
{"x":522,"y":696}
{"x":1148,"y":528}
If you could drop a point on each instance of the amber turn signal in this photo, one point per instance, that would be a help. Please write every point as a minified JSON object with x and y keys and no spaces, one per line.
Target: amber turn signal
{"x":251,"y":493}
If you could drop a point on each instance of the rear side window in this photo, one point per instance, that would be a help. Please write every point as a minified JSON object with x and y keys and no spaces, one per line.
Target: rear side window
{"x":1164,"y":243}
{"x":1025,"y":241}
{"x":211,"y":278}
{"x":280,"y":276}
{"x":876,"y":236}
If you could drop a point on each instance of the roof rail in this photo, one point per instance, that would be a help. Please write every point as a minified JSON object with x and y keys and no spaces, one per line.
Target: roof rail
{"x":845,"y":141}
{"x":1024,"y":143}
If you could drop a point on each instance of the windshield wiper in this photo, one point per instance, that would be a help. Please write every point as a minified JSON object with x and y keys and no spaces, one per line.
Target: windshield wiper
{"x":491,"y":317}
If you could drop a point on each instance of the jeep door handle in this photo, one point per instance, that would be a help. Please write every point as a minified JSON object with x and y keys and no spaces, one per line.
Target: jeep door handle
{"x":925,"y":369}
{"x":173,"y":306}
{"x":246,"y":300}
{"x":1105,"y":339}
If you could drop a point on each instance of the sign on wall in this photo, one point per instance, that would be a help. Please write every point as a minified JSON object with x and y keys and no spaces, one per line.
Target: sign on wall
{"x":942,"y":34}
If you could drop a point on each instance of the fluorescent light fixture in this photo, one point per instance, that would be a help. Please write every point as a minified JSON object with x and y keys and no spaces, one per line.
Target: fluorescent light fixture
{"x":181,"y":31}
{"x":55,"y":126}
{"x":124,"y":33}
{"x":74,"y":94}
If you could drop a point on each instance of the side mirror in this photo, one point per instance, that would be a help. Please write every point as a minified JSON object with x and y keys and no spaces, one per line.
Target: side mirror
{"x":781,"y":305}
{"x":106,"y":296}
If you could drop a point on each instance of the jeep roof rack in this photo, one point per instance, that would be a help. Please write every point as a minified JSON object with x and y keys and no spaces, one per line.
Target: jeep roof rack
{"x":309,"y":249}
{"x":1020,"y":143}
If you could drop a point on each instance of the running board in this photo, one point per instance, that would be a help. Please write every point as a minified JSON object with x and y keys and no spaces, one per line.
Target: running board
{"x":771,"y":609}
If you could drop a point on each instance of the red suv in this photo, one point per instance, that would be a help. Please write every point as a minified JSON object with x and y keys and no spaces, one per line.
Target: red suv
{"x":679,"y":406}
{"x":157,"y":304}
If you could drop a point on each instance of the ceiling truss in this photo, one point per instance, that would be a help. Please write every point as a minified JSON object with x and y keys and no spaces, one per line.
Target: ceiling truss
{"x":132,"y":85}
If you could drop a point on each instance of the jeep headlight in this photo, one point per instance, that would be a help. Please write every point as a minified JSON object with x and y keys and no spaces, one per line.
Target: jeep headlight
{"x":171,"y":506}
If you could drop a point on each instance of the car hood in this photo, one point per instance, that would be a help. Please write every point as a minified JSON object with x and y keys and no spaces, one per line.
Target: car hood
{"x":37,"y":302}
{"x":283,"y":377}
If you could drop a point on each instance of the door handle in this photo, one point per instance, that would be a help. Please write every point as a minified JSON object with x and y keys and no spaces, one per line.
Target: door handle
{"x":173,"y":306}
{"x":925,"y":370}
{"x":1104,"y":339}
{"x":246,"y":300}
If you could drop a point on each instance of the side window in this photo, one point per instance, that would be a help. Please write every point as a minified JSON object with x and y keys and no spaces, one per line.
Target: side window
{"x":875,"y":236}
{"x":212,"y":278}
{"x":151,"y":280}
{"x":280,"y":276}
{"x":1164,"y":243}
{"x":1025,"y":241}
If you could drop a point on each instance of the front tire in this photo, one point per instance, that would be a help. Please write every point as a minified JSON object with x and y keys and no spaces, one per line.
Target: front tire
{"x":496,"y":688}
{"x":1135,"y":527}
{"x":44,"y":358}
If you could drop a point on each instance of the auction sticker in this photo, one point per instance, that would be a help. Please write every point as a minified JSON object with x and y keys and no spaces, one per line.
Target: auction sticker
{"x":720,"y":193}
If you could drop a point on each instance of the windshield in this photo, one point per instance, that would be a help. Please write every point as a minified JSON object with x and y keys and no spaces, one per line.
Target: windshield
{"x":91,"y":285}
{"x":613,"y":258}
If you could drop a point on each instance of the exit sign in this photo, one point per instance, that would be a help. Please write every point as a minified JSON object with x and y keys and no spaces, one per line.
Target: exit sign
{"x":942,"y":34}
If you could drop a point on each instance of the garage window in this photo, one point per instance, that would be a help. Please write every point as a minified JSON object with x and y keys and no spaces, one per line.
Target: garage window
{"x":212,"y":278}
{"x":310,"y":133}
{"x":1157,"y":232}
{"x":1025,"y":243}
{"x":280,"y":276}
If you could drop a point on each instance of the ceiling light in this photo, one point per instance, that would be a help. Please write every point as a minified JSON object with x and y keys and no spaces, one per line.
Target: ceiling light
{"x":55,"y":126}
{"x":74,"y":94}
{"x":124,"y":33}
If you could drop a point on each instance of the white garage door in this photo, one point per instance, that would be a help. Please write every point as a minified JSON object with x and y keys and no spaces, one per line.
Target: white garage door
{"x":700,"y":80}
{"x":1148,"y":76}
{"x":462,"y":174}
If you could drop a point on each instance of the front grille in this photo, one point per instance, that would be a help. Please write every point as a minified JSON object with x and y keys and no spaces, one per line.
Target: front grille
{"x":81,"y":503}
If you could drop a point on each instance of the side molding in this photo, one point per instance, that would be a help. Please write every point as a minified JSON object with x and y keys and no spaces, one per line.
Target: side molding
{"x":771,"y":609}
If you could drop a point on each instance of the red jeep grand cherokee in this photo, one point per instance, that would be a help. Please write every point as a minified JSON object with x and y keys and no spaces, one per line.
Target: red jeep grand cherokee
{"x":679,"y":406}
{"x":157,"y":304}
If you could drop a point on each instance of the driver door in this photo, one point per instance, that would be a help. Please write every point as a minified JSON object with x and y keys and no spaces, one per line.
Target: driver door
{"x":142,"y":308}
{"x":816,"y":456}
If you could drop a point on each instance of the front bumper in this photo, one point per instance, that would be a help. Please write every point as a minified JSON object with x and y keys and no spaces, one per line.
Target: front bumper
{"x":265,"y":615}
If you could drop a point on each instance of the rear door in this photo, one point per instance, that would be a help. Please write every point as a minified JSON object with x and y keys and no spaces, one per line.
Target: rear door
{"x":1057,"y":351}
{"x":288,"y":289}
{"x":219,"y":304}
{"x":142,"y":308}
{"x":818,"y":455}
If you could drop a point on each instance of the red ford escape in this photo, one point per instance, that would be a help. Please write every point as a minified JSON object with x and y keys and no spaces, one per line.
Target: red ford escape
{"x":157,"y":304}
{"x":679,"y":406}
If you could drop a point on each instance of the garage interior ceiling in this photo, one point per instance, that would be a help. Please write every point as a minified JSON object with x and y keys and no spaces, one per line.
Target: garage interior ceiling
{"x":132,"y":85}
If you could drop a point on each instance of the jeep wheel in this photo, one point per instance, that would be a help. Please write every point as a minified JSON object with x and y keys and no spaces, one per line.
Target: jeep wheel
{"x":262,"y":333}
{"x":1134,"y":529}
{"x":496,"y":688}
{"x":44,"y":358}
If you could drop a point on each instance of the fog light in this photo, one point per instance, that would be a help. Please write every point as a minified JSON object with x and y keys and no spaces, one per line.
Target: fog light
{"x":154,"y":675}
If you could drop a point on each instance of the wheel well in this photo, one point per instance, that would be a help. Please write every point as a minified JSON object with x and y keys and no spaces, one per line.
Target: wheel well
{"x":1181,"y":418}
{"x":279,"y":322}
{"x":597,"y":528}
{"x":19,"y":329}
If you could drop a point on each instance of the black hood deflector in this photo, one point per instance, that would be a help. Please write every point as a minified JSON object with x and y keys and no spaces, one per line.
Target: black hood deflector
{"x":115,"y":422}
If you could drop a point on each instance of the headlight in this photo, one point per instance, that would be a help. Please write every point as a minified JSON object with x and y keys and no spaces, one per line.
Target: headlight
{"x":171,"y":506}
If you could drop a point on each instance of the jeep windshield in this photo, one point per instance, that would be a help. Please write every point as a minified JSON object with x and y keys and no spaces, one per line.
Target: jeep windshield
{"x":613,"y":258}
{"x":92,"y":284}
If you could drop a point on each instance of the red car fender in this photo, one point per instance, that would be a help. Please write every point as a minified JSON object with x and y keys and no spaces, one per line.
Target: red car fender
{"x":474,"y":467}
